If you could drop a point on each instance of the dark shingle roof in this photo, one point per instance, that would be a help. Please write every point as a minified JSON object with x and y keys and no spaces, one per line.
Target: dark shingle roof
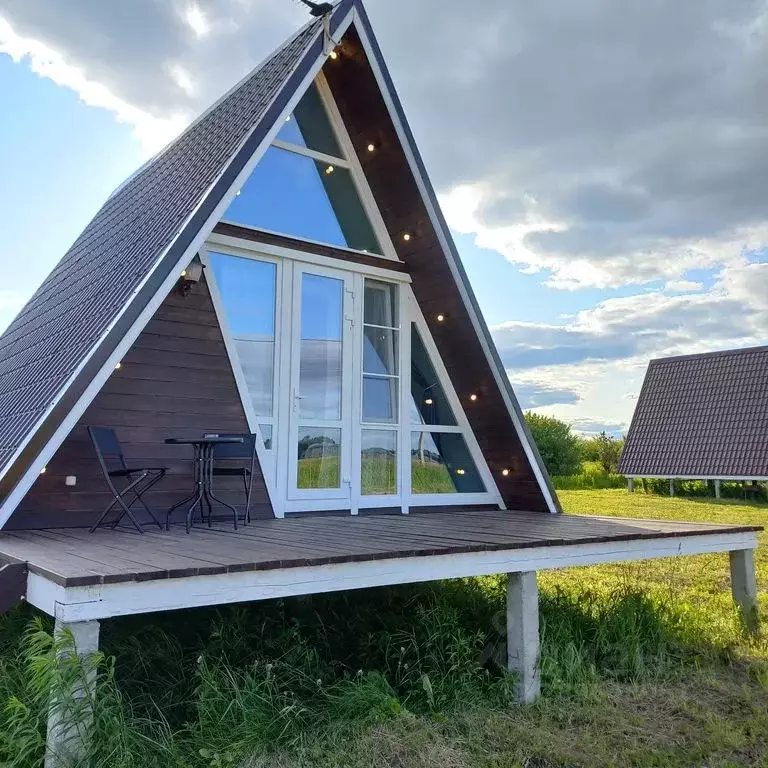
{"x":125,"y":243}
{"x":702,"y":416}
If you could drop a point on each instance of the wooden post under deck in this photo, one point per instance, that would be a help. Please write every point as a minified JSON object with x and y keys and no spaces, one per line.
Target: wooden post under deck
{"x":523,"y":652}
{"x":744,"y":587}
{"x":71,"y":717}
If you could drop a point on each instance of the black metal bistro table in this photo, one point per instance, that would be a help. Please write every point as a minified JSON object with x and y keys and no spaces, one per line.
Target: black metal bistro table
{"x":203,"y":477}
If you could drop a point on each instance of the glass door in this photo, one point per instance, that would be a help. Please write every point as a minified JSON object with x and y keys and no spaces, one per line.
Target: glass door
{"x":321,"y":373}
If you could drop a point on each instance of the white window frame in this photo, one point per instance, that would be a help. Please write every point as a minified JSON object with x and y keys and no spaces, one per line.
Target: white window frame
{"x":351,"y":163}
{"x":275,"y":462}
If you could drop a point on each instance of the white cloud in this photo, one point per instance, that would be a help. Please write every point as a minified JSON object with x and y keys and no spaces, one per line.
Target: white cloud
{"x":197,"y":20}
{"x":594,"y":362}
{"x":683,"y":286}
{"x":153,"y":131}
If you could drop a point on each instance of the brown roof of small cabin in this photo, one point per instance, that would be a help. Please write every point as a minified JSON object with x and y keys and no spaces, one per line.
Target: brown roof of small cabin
{"x":701,"y":416}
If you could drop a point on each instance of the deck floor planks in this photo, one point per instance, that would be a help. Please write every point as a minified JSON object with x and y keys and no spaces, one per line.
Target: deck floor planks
{"x":75,"y":557}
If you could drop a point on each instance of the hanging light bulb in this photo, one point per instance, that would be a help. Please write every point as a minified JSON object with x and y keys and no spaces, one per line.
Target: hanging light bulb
{"x":120,"y":365}
{"x":459,"y":471}
{"x":371,"y":147}
{"x":329,"y":170}
{"x":407,"y":236}
{"x":440,"y":318}
{"x":429,"y":401}
{"x":473,"y":397}
{"x":42,"y":471}
{"x":334,"y":55}
{"x":505,"y":472}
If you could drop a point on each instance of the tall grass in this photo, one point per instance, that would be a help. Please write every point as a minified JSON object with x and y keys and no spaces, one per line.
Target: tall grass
{"x":210,"y":688}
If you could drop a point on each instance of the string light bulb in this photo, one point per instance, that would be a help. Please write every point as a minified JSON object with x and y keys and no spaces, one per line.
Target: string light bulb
{"x":473,"y":397}
{"x":239,"y":192}
{"x":183,"y":272}
{"x":440,"y":318}
{"x":505,"y":472}
{"x":459,"y":471}
{"x":428,"y":401}
{"x":407,"y":236}
{"x":42,"y":471}
{"x":334,"y":55}
{"x":118,"y":366}
{"x":371,"y":147}
{"x":329,"y":170}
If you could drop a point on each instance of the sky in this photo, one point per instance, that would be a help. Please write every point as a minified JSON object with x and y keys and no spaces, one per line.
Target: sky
{"x":603,"y":164}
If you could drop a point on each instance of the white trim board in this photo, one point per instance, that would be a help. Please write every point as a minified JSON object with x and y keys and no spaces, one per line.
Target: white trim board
{"x":129,"y":598}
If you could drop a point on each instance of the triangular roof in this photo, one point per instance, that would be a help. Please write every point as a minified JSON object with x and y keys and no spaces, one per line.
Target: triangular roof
{"x":60,"y":349}
{"x":703,"y":416}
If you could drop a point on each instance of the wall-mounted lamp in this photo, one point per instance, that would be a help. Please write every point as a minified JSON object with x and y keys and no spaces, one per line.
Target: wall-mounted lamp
{"x":190,"y":275}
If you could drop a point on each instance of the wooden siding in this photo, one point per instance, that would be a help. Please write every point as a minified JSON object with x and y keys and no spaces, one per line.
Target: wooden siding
{"x":365,"y":114}
{"x":176,"y":381}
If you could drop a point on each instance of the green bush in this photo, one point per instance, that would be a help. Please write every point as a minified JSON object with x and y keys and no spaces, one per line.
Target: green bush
{"x":560,"y":449}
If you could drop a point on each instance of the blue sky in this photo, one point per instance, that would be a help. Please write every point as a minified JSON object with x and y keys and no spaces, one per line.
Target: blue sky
{"x":605,"y":188}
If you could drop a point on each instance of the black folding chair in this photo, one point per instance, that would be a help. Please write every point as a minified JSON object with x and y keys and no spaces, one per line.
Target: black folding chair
{"x":139,"y":479}
{"x":233,"y":451}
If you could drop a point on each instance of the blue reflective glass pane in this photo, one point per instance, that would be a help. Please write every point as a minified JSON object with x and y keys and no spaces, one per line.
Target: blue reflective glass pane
{"x":309,"y":126}
{"x":247,"y":291}
{"x":321,"y":358}
{"x":379,"y":399}
{"x":295,"y":195}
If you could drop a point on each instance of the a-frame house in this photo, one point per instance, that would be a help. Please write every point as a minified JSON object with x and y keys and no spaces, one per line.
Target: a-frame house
{"x":282,"y":269}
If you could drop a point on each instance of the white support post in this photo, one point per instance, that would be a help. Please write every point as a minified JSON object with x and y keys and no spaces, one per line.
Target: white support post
{"x":71,"y":716}
{"x":717,"y":489}
{"x":523,"y":634}
{"x":744,"y":587}
{"x":671,"y":486}
{"x":631,"y":484}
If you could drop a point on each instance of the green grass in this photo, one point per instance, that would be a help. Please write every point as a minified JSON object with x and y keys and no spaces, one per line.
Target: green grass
{"x":643,"y":664}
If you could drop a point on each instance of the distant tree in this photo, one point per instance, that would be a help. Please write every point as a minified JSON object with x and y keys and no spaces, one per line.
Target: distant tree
{"x":608,"y":451}
{"x":590,"y":449}
{"x":560,"y":449}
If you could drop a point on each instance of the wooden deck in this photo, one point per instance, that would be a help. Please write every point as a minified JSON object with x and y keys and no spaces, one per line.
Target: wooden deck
{"x":74,"y":558}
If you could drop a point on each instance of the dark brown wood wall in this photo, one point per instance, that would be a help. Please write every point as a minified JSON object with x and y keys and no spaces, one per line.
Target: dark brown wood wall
{"x":176,"y":381}
{"x":365,"y":114}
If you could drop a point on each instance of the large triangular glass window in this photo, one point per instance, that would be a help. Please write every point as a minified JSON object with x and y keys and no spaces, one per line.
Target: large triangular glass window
{"x":304,"y":185}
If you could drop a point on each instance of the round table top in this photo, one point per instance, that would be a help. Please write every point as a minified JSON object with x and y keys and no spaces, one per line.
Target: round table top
{"x":207,"y":440}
